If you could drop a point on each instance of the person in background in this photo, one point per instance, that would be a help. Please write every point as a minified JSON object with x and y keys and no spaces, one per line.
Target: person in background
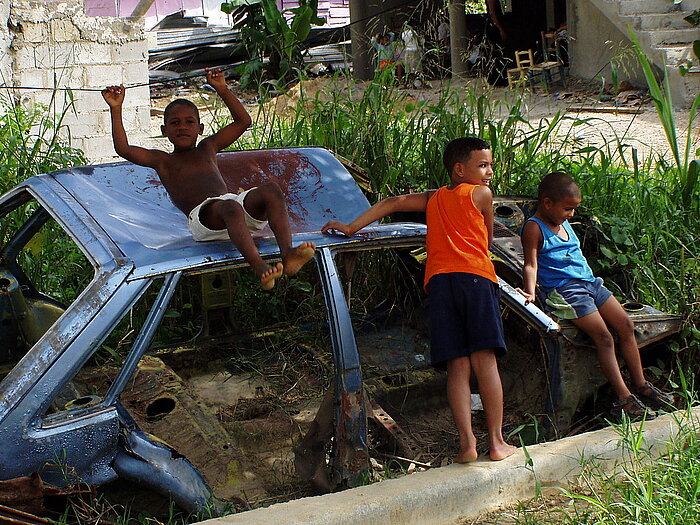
{"x":412,"y":51}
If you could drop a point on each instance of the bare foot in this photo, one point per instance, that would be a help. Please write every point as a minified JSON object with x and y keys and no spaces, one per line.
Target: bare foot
{"x":467,"y":456}
{"x":297,"y":257}
{"x":270,"y":275}
{"x":502,"y":451}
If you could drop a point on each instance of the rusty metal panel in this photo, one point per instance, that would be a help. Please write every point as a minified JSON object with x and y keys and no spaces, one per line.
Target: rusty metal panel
{"x":351,"y":420}
{"x":408,"y":446}
{"x":131,"y":205}
{"x":23,"y":493}
{"x":12,"y":516}
{"x":162,"y":404}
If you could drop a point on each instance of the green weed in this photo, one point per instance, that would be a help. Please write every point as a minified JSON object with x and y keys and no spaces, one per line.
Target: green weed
{"x":650,"y":487}
{"x":34,"y":140}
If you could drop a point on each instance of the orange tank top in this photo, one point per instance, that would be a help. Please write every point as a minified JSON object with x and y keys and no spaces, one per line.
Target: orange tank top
{"x":457,"y":238}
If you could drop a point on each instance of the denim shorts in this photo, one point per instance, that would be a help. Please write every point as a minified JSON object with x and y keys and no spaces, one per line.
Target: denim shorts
{"x":577,"y":298}
{"x":464,"y":317}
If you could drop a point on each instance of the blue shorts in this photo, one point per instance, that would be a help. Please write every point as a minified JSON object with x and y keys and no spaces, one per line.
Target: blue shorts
{"x":577,"y":298}
{"x":464,"y":317}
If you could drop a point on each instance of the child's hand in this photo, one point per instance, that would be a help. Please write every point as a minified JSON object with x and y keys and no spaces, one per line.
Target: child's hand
{"x":529,"y":297}
{"x":114,"y":95}
{"x":335,"y":226}
{"x":216,"y":79}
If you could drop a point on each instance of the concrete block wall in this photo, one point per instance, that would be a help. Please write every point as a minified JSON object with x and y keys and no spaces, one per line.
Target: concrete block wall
{"x":5,"y":39}
{"x":55,"y":44}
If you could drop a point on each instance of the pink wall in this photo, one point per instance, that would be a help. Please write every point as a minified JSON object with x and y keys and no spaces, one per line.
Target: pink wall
{"x":336,"y":12}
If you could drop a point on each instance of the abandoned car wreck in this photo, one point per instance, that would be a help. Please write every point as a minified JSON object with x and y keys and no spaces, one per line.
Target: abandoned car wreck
{"x":86,"y":386}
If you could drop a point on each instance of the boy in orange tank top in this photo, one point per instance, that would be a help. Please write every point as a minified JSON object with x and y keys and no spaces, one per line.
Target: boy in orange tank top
{"x":466,"y":333}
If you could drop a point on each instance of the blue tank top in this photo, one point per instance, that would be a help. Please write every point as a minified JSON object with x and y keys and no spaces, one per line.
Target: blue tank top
{"x":559,"y":261}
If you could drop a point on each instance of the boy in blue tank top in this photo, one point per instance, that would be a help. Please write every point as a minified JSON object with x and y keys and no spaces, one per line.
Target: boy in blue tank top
{"x":553,"y":258}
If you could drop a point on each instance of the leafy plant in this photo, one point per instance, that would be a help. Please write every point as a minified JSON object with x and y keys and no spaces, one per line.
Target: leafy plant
{"x":267,"y":32}
{"x":688,"y":170}
{"x":475,"y":6}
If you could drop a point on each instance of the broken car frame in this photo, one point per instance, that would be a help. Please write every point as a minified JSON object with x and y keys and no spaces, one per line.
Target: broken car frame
{"x":116,"y":214}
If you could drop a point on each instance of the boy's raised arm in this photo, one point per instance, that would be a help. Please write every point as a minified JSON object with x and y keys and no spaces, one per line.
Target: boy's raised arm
{"x":114,"y":96}
{"x":532,"y":239}
{"x":408,"y":202}
{"x":241,"y":120}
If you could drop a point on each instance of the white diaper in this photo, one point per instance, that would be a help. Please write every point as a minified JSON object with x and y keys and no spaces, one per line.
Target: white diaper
{"x":202,"y":233}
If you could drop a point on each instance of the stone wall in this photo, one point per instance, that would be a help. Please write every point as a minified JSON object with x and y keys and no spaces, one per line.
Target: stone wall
{"x":54,"y":44}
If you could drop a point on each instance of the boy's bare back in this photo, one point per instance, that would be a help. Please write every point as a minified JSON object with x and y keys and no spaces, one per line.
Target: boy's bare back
{"x":189,"y":173}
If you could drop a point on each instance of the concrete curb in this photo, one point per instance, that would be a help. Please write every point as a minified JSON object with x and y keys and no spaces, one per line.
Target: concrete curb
{"x":444,"y":495}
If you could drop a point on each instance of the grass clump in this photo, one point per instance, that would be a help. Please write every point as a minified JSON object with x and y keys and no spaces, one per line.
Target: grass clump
{"x":34,"y":139}
{"x":648,"y":488}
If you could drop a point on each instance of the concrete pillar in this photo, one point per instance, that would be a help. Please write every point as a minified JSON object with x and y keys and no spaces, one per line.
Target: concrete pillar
{"x":359,"y":19}
{"x":458,"y":36}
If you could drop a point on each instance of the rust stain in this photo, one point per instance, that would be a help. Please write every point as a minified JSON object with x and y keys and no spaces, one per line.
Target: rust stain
{"x":24,"y":493}
{"x":290,"y":169}
{"x":22,"y":498}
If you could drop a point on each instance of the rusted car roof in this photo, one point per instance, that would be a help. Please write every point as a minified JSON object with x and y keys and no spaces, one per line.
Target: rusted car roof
{"x":133,"y":209}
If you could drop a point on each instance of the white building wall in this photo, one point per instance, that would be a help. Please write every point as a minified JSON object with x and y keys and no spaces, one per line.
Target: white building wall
{"x":54,"y":44}
{"x":594,"y":42}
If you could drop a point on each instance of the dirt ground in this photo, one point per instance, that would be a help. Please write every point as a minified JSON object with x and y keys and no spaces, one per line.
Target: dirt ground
{"x":551,"y":507}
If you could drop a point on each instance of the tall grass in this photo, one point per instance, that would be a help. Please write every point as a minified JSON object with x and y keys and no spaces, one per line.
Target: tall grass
{"x":648,"y":237}
{"x":33,"y":139}
{"x":399,"y":141}
{"x":687,"y":170}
